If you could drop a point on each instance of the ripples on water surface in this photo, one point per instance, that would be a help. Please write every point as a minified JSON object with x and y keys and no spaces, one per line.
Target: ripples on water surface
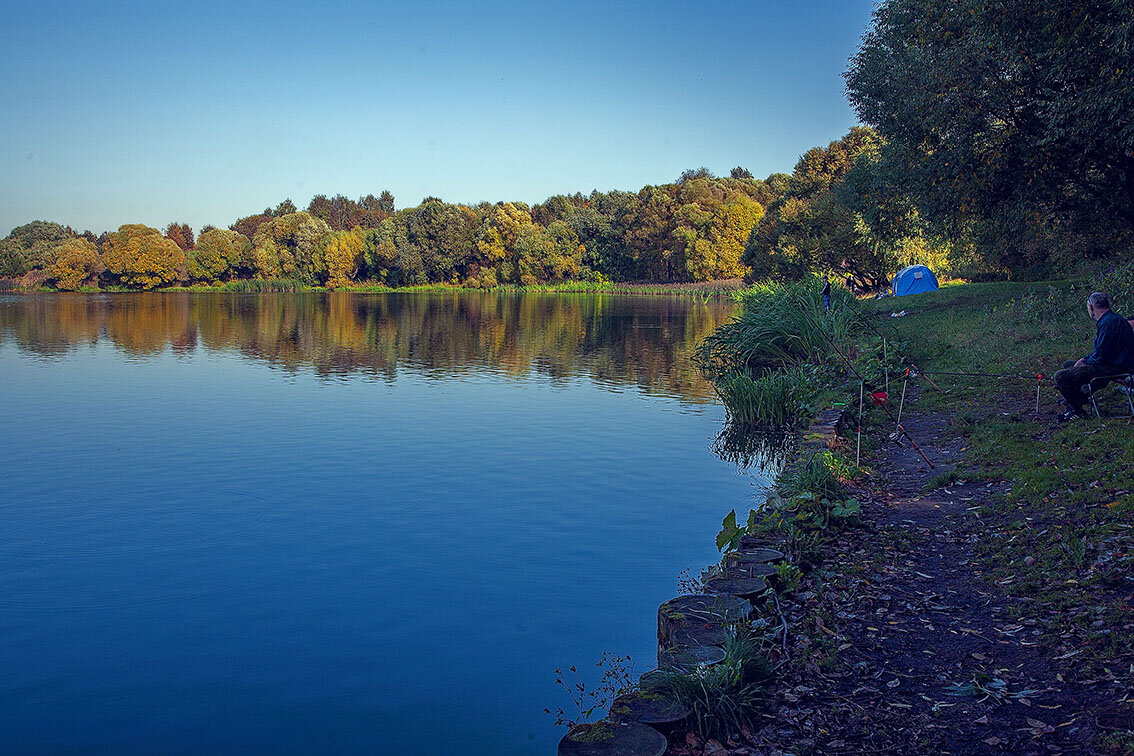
{"x":341,"y":523}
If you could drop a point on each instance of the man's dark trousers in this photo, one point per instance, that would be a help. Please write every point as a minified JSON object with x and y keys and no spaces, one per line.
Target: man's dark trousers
{"x":1071,"y":380}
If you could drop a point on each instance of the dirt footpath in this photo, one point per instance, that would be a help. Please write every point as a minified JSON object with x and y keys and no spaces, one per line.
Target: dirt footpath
{"x":899,"y":645}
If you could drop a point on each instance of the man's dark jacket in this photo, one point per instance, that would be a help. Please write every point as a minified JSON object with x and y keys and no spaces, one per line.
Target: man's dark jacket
{"x":1114,"y":343}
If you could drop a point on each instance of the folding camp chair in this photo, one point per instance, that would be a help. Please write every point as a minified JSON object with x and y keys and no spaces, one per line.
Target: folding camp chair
{"x":1124,"y":382}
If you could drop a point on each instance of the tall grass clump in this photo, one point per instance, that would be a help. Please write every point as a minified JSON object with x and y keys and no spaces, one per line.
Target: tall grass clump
{"x":776,"y":398}
{"x":770,"y":363}
{"x":781,"y":324}
{"x":722,"y":697}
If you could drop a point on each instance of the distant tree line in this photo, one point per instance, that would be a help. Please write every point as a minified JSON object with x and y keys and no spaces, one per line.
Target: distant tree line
{"x":691,"y":230}
{"x":999,"y":140}
{"x":826,"y":215}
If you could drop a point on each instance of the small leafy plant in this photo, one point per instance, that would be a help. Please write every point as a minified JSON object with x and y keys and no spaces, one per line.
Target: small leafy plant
{"x":617,"y":678}
{"x":729,"y":537}
{"x":788,"y":577}
{"x":821,"y":475}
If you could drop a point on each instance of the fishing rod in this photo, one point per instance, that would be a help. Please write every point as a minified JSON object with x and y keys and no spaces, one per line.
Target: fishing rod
{"x":981,"y":375}
{"x":1039,"y":376}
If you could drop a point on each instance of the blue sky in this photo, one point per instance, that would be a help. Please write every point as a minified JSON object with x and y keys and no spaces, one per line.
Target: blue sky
{"x":205,"y":112}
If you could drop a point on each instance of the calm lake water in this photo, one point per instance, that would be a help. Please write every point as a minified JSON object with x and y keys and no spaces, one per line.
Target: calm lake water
{"x":350,"y":524}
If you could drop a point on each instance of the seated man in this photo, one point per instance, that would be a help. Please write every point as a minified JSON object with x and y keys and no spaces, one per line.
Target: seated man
{"x":1113,"y":355}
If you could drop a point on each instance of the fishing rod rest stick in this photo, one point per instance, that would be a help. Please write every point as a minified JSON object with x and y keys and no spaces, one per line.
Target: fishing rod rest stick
{"x":858,"y":446}
{"x":886,"y":365}
{"x":845,"y":359}
{"x":900,"y":405}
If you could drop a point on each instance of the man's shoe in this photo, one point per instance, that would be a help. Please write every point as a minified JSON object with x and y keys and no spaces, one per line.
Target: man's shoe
{"x":1072,"y":414}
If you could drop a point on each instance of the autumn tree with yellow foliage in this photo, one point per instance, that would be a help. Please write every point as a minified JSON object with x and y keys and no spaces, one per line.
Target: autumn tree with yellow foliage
{"x":142,"y":258}
{"x":343,"y":254}
{"x":75,"y":262}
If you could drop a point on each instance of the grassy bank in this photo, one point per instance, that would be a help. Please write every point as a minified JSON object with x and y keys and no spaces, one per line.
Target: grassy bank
{"x":1060,"y":538}
{"x":1035,"y":541}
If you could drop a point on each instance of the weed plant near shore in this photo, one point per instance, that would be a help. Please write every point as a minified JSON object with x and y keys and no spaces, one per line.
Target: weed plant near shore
{"x":617,"y":678}
{"x":821,"y":475}
{"x":810,"y":504}
{"x":775,"y":398}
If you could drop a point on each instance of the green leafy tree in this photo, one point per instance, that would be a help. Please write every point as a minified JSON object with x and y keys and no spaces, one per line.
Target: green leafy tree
{"x":1011,"y":120}
{"x":654,"y":252}
{"x":545,"y":254}
{"x":375,"y":209}
{"x":30,"y":247}
{"x":379,"y":250}
{"x":599,"y":222}
{"x":292,"y":246}
{"x":287,"y":207}
{"x":219,"y":254}
{"x":445,"y":237}
{"x":695,"y":173}
{"x":566,"y":261}
{"x":814,"y":225}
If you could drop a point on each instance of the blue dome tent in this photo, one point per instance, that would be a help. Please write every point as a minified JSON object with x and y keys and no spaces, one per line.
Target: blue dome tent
{"x":914,"y":279}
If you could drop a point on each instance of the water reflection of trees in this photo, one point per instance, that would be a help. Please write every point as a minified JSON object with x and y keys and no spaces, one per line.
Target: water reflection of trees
{"x":643,"y":341}
{"x":748,"y":447}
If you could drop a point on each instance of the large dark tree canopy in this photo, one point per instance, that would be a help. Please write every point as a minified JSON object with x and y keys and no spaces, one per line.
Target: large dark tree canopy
{"x":1013,"y":119}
